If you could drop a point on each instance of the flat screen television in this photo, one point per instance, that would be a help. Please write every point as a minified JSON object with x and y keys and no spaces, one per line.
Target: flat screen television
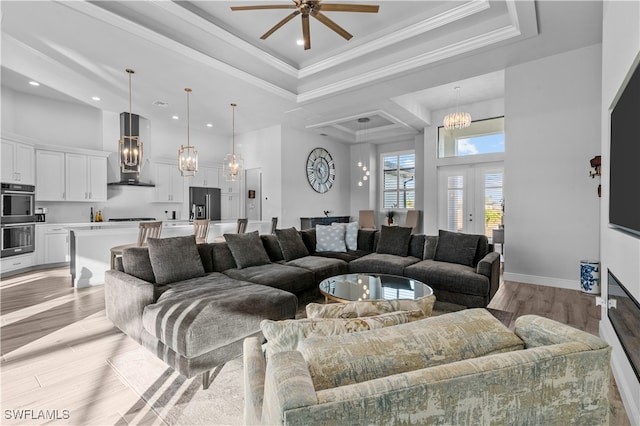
{"x":624,"y":188}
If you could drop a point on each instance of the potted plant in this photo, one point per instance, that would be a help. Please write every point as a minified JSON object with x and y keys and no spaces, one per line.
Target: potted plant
{"x":390,"y":215}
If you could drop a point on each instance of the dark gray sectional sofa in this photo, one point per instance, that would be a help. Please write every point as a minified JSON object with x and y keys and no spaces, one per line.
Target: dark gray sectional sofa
{"x":193,"y":305}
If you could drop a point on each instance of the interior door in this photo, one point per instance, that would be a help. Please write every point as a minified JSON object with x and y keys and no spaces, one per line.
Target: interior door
{"x":471,"y":198}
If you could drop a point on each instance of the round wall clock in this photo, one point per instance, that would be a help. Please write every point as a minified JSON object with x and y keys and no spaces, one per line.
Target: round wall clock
{"x":321,"y":171}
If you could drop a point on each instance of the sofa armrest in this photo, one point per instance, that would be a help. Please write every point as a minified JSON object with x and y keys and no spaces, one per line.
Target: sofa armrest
{"x":125,"y":298}
{"x":538,"y":331}
{"x":489,"y":266}
{"x":254,"y":372}
{"x":288,"y":386}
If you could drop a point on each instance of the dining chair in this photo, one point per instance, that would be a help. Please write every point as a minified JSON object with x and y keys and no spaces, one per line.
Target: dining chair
{"x":146,"y":230}
{"x":274,"y":223}
{"x":201,"y":230}
{"x":367,"y":219}
{"x":242,"y":226}
{"x":412,"y":220}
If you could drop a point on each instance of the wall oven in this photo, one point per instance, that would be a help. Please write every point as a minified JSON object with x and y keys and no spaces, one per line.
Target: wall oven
{"x":17,"y":203}
{"x":17,"y":238}
{"x":17,"y":219}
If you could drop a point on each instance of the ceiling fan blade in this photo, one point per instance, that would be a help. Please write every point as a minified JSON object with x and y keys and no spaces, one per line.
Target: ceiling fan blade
{"x":335,"y":27}
{"x":306,"y":34}
{"x":332,"y":7}
{"x":264,"y":6}
{"x":279,"y":24}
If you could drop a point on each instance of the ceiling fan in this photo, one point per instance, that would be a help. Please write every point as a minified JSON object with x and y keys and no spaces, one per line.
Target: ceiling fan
{"x":313,"y":8}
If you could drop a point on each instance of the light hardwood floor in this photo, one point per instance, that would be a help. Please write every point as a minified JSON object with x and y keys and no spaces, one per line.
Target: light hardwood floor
{"x":56,"y":340}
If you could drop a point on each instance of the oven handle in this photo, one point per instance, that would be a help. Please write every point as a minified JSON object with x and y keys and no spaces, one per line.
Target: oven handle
{"x":19,"y":192}
{"x":14,"y":225}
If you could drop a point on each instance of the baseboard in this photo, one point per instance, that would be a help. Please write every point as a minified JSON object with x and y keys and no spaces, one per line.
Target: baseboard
{"x":539,"y":280}
{"x":623,"y":374}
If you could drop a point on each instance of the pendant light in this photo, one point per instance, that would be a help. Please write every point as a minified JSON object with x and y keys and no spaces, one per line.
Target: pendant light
{"x":233,"y":163}
{"x":361,"y":166}
{"x":457,"y":119}
{"x":187,"y":155}
{"x":129,"y":146}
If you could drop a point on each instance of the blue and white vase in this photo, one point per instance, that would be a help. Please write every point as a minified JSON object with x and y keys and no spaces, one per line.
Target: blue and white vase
{"x":590,"y":276}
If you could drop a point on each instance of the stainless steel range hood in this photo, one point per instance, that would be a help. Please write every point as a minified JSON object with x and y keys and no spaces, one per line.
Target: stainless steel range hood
{"x":130,"y":179}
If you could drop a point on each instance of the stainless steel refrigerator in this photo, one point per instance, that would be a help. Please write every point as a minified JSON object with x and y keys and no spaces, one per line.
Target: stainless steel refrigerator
{"x":204,"y":203}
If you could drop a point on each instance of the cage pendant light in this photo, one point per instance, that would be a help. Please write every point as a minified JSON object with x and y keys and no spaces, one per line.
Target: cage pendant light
{"x":457,"y":119}
{"x":187,"y":155}
{"x":233,"y":163}
{"x":130,"y":146}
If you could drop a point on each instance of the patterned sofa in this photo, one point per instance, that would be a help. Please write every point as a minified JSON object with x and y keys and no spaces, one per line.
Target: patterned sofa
{"x":458,"y":368}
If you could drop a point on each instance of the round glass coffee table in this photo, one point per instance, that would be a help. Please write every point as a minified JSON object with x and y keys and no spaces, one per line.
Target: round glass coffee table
{"x":357,"y":287}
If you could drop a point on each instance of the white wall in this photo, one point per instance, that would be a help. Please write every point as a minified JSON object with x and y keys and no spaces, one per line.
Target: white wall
{"x":552,"y":128}
{"x":263,"y":149}
{"x":619,"y":252}
{"x":298,"y":198}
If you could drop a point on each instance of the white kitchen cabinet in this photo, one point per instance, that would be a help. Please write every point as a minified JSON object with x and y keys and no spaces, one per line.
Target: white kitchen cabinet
{"x":86,"y":177}
{"x":229,"y":187}
{"x":52,"y":244}
{"x":169,"y":184}
{"x":207,"y":177}
{"x":229,"y":206}
{"x":50,"y":177}
{"x":18,"y":163}
{"x":13,"y":263}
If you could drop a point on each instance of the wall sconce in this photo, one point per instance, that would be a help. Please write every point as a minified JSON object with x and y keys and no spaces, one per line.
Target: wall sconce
{"x":595,"y":164}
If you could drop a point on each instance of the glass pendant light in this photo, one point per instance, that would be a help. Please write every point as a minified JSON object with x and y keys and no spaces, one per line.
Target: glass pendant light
{"x":457,"y":119}
{"x":233,"y":163}
{"x":187,"y":155}
{"x":129,"y":146}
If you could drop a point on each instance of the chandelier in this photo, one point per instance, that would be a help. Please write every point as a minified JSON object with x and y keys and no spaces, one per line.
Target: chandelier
{"x":232,"y":164}
{"x":361,"y":166}
{"x":187,"y":155}
{"x":129,"y":146}
{"x":457,"y":119}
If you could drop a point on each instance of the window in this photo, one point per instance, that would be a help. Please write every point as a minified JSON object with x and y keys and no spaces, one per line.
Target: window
{"x":399,"y":184}
{"x":482,"y":137}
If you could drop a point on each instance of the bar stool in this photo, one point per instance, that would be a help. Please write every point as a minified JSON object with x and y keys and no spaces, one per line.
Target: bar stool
{"x":146,"y":230}
{"x":201,"y":230}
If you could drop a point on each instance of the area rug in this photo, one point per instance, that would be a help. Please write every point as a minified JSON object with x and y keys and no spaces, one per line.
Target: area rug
{"x":180,"y":401}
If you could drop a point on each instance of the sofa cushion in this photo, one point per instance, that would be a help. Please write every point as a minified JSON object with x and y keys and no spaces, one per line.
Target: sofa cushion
{"x":358,"y":357}
{"x":366,"y":240}
{"x":366,"y":308}
{"x":382,"y":264}
{"x":291,"y":244}
{"x":455,"y":247}
{"x":175,"y":259}
{"x":272,"y":247}
{"x":198,"y":315}
{"x":349,"y":256}
{"x":330,"y":238}
{"x":416,"y":245}
{"x":222,"y":257}
{"x":322,"y":267}
{"x":247,"y":249}
{"x":284,"y":277}
{"x":451,"y":277}
{"x":206,"y":255}
{"x":430,"y":244}
{"x":285,"y":335}
{"x":136,"y":262}
{"x":309,"y":239}
{"x":394,"y":240}
{"x":350,"y":234}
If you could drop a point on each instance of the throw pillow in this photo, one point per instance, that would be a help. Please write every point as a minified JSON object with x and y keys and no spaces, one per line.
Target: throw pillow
{"x":330,"y":238}
{"x":247,"y":249}
{"x":430,"y":244}
{"x":351,"y":234}
{"x":394,"y":240}
{"x":291,"y":244}
{"x":455,"y":247}
{"x":136,"y":262}
{"x":285,"y":335}
{"x":368,"y":308}
{"x":175,"y":259}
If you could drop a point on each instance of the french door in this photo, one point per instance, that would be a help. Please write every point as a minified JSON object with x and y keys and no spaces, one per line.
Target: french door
{"x":471,"y":198}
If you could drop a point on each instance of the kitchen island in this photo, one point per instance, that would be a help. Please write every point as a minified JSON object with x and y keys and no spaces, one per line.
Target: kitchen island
{"x":90,"y":244}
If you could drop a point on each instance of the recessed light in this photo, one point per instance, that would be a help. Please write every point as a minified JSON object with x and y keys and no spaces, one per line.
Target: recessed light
{"x":299,"y":42}
{"x":95,"y":98}
{"x":34,"y":83}
{"x":209,"y":125}
{"x":161,"y":104}
{"x":175,"y":117}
